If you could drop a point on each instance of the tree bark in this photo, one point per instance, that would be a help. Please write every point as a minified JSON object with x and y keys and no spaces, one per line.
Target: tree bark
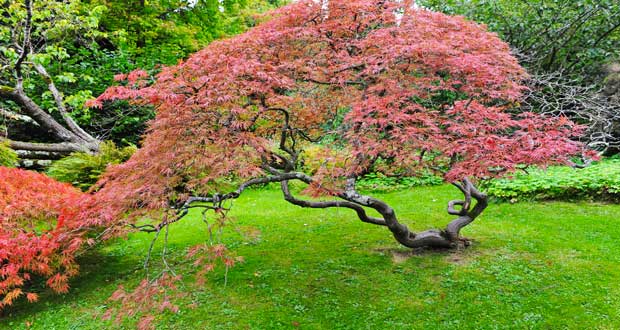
{"x":31,"y":109}
{"x":72,"y":141}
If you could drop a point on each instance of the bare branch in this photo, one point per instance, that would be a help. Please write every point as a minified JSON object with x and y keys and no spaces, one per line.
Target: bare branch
{"x":361,"y":213}
{"x":62,"y":147}
{"x":16,"y":116}
{"x":26,"y":45}
{"x":60,"y":104}
{"x":555,"y":95}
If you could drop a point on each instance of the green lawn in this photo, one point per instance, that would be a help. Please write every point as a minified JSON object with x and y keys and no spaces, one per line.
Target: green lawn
{"x":532,"y":266}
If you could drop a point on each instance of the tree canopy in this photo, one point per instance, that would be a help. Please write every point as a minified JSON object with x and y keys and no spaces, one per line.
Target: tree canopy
{"x":379,"y":86}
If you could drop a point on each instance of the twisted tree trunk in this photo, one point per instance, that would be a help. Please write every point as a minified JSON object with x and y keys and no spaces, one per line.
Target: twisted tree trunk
{"x":447,"y":238}
{"x":434,"y":238}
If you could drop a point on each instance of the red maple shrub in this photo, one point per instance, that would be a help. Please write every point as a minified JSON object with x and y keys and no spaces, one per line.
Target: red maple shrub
{"x":39,"y":233}
{"x":378,"y":85}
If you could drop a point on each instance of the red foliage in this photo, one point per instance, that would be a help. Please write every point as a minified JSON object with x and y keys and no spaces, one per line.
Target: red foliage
{"x":39,"y":234}
{"x":148,"y":296}
{"x":418,"y":91}
{"x":423,"y":91}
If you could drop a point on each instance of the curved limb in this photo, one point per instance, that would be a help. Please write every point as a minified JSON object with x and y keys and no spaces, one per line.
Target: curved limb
{"x":361,"y":213}
{"x":429,"y":238}
{"x":351,"y":199}
{"x":466,"y":215}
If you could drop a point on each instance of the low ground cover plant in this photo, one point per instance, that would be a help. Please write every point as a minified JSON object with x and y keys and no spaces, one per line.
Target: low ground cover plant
{"x":600,"y":182}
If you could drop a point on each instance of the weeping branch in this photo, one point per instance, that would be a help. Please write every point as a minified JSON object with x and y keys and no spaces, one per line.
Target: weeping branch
{"x":361,"y":213}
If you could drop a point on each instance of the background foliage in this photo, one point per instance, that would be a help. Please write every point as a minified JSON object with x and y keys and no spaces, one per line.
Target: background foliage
{"x":88,"y":42}
{"x":573,"y":36}
{"x":600,"y":182}
{"x":8,"y":157}
{"x":82,"y":169}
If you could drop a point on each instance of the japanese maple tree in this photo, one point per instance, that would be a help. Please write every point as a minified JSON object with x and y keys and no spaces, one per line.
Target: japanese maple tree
{"x":372,"y":85}
{"x":39,"y":233}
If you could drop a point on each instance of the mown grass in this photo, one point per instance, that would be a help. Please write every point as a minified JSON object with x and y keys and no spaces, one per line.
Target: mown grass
{"x":549,"y":265}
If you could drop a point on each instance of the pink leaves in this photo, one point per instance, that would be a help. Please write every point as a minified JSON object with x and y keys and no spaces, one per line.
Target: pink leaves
{"x":430,"y":85}
{"x":207,"y":257}
{"x":40,"y":231}
{"x":148,"y":298}
{"x":59,"y":283}
{"x":32,"y":297}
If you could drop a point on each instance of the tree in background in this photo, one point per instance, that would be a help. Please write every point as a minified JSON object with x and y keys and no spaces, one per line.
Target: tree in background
{"x":31,"y":38}
{"x":56,"y":55}
{"x":566,"y":45}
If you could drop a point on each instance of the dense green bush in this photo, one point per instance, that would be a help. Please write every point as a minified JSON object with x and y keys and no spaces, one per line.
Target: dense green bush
{"x":83,"y":169}
{"x":8,"y":157}
{"x":600,"y":181}
{"x":380,"y":182}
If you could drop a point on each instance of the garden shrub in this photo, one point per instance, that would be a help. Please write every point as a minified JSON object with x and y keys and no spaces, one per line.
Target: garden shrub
{"x":83,"y":169}
{"x":600,"y":182}
{"x":8,"y":157}
{"x":40,"y":233}
{"x":379,"y":182}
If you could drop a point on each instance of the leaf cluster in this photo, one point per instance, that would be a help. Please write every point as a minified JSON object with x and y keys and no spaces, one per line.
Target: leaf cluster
{"x":40,"y":233}
{"x":83,"y":169}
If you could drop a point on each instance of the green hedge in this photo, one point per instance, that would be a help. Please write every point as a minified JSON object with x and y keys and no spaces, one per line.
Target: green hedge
{"x":83,"y":170}
{"x":380,"y":182}
{"x":598,"y":182}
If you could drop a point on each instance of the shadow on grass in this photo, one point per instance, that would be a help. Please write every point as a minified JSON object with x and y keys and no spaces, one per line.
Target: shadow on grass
{"x":96,"y":268}
{"x":401,"y":254}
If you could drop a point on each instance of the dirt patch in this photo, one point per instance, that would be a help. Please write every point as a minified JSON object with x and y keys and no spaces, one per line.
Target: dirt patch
{"x":399,"y":256}
{"x":459,"y":256}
